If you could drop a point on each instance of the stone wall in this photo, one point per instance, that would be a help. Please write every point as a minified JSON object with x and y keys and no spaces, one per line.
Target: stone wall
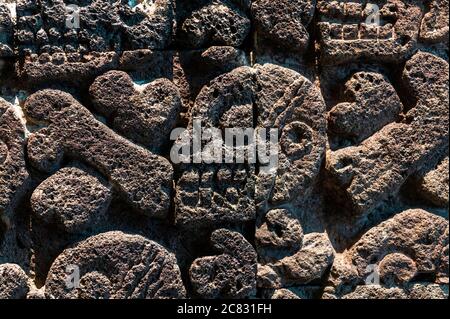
{"x":92,"y":204}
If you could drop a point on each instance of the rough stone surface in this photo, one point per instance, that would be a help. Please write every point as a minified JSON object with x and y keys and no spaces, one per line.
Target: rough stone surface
{"x":305,"y":266}
{"x":101,"y":25}
{"x":373,"y":103}
{"x":397,"y":269}
{"x":347,"y":30}
{"x":115,"y":265}
{"x":434,"y":26}
{"x":414,"y":291}
{"x":193,"y":69}
{"x":7,"y":30}
{"x":13,"y":282}
{"x":229,"y":101}
{"x":376,"y":292}
{"x":73,"y":199}
{"x":427,"y":291}
{"x":298,"y":112}
{"x":434,"y":185}
{"x":380,"y":165}
{"x":218,"y":22}
{"x":232,"y":274}
{"x":410,"y":242}
{"x":217,"y":193}
{"x":283,"y":24}
{"x":283,"y":294}
{"x":342,"y":279}
{"x":347,"y":200}
{"x":146,"y":116}
{"x":74,"y":132}
{"x":279,"y":235}
{"x":13,"y":173}
{"x":79,"y":70}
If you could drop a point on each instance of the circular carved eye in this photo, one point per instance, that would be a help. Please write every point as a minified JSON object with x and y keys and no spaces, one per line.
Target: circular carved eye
{"x":3,"y":152}
{"x":297,"y":140}
{"x":397,"y":269}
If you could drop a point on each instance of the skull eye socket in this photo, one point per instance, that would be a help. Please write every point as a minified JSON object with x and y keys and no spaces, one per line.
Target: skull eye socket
{"x":297,"y":140}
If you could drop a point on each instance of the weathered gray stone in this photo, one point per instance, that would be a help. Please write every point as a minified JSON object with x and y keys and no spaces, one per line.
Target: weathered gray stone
{"x":73,"y":199}
{"x":414,"y":291}
{"x":284,"y":100}
{"x":376,"y":292}
{"x":14,"y":177}
{"x":372,"y":104}
{"x":96,"y":26}
{"x":367,"y":174}
{"x":115,"y":265}
{"x":79,"y":70}
{"x":284,"y":294}
{"x":427,"y":291}
{"x":215,"y":193}
{"x":291,"y":103}
{"x":397,"y":269}
{"x":361,"y":108}
{"x":13,"y":282}
{"x":417,"y":235}
{"x":146,"y":115}
{"x":342,"y":278}
{"x":232,"y":274}
{"x":6,"y":30}
{"x":307,"y":265}
{"x":283,"y":24}
{"x":193,"y":69}
{"x":278,"y":236}
{"x":434,"y":26}
{"x":66,"y":68}
{"x":143,"y":180}
{"x":434,"y":185}
{"x":219,"y":22}
{"x":348,"y":30}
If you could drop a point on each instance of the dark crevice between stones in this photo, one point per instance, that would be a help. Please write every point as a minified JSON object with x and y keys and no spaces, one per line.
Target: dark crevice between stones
{"x":3,"y":229}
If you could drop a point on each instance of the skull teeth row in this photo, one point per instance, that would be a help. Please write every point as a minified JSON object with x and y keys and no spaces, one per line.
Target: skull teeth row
{"x":363,"y":31}
{"x":354,"y":10}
